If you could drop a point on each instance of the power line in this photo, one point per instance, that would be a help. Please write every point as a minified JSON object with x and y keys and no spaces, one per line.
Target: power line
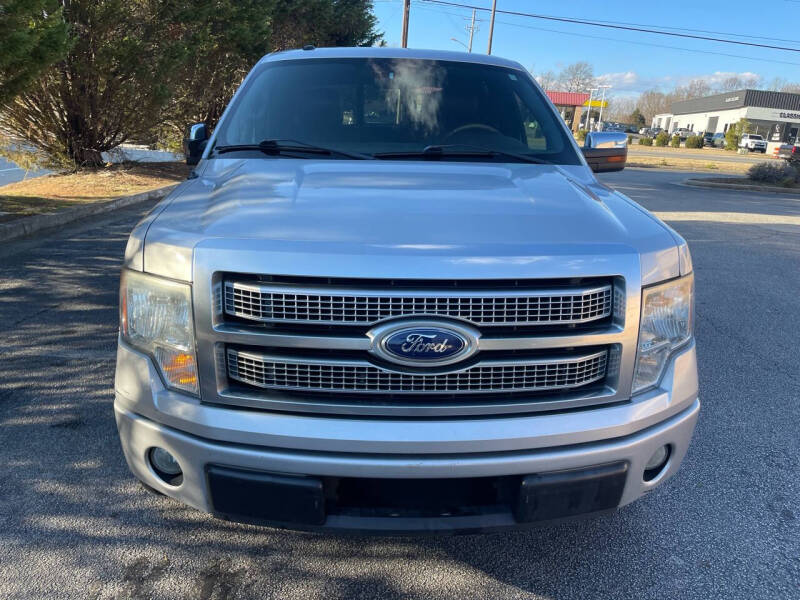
{"x":650,"y":44}
{"x":617,"y":40}
{"x":743,"y":35}
{"x":619,"y":27}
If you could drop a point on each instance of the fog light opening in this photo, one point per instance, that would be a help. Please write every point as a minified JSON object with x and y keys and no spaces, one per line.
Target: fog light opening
{"x":657,"y":462}
{"x":165,"y":466}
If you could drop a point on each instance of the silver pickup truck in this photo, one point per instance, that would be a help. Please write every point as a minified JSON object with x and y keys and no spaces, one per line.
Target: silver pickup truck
{"x":393,"y":297}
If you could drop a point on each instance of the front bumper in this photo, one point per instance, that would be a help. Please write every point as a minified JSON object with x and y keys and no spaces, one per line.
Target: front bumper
{"x":560,"y":451}
{"x":200,"y":458}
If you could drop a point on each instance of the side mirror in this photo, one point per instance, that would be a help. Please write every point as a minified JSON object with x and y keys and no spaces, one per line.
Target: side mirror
{"x":195,"y":142}
{"x":606,"y":151}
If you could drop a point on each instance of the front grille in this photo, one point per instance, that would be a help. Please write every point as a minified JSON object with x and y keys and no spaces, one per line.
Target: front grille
{"x":501,"y":307}
{"x":524,"y":375}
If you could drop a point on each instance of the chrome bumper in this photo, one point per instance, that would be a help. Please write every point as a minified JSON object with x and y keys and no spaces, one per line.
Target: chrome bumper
{"x":195,"y":455}
{"x":199,"y":435}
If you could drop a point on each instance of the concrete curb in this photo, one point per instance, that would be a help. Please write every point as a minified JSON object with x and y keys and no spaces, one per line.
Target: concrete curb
{"x":743,"y":186}
{"x":28,"y":225}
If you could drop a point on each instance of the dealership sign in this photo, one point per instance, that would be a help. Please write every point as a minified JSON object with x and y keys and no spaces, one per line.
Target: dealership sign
{"x":772,"y":114}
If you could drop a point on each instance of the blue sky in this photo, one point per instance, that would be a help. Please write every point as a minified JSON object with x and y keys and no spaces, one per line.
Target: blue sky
{"x":631,"y":62}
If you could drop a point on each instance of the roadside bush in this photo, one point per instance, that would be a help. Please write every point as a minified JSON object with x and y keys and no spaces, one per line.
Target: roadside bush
{"x":581,"y":135}
{"x":662,"y":138}
{"x":645,"y":141}
{"x":781,"y":173}
{"x":675,"y":142}
{"x":630,"y":139}
{"x":694,"y":141}
{"x":732,"y":139}
{"x":734,"y":134}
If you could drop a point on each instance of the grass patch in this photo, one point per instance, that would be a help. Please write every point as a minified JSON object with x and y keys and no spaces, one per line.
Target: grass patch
{"x":51,"y":193}
{"x":686,"y":163}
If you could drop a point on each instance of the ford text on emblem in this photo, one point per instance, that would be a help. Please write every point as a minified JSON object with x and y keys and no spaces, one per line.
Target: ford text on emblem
{"x":424,"y":344}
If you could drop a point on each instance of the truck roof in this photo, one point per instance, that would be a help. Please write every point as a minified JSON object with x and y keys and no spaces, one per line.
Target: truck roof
{"x":378,"y":52}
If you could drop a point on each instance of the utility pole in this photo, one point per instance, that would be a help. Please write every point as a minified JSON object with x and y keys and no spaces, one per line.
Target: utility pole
{"x":589,"y":112}
{"x":491,"y":26}
{"x":471,"y":28}
{"x":602,"y":101}
{"x":471,"y":31}
{"x":406,"y":11}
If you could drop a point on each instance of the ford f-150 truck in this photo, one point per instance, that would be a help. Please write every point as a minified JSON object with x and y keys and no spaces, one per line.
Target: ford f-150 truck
{"x":393,"y":297}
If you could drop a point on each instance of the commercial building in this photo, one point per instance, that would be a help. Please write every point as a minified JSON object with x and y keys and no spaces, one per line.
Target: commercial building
{"x":774,"y":115}
{"x":571,"y":104}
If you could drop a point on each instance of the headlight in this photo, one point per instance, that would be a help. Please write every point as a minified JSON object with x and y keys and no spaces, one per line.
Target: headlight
{"x":666,"y":324}
{"x":156,"y":318}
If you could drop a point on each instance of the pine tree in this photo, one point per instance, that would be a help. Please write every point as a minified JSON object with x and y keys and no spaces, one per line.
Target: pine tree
{"x":33,"y":36}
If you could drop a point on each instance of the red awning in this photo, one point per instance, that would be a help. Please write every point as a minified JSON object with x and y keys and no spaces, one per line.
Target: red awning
{"x":568,"y":98}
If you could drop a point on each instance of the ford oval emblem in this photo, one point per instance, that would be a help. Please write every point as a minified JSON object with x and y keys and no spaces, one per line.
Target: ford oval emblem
{"x":424,"y":344}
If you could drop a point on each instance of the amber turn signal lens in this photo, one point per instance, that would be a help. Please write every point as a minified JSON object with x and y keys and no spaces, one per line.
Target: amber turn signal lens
{"x":178,"y":367}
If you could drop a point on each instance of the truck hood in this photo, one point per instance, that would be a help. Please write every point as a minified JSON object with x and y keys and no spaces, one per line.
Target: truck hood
{"x":397,"y":208}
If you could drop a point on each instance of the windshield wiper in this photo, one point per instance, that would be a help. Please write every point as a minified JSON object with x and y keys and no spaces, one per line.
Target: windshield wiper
{"x":437,"y":151}
{"x":276,"y":147}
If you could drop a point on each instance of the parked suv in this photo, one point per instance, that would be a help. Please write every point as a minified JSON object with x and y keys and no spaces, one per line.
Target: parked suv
{"x":718,"y":140}
{"x":754,"y":143}
{"x":393,"y":297}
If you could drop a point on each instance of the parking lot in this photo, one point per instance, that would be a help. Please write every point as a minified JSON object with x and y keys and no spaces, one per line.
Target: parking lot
{"x":75,"y":524}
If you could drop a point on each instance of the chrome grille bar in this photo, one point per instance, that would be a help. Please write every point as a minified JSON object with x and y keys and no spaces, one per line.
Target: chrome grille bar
{"x":345,"y":376}
{"x":333,"y":306}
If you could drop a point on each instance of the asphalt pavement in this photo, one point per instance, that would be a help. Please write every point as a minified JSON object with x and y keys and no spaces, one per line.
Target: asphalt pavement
{"x":75,"y":524}
{"x":11,"y":173}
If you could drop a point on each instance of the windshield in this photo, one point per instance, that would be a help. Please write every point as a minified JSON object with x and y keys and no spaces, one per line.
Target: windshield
{"x":375,"y":106}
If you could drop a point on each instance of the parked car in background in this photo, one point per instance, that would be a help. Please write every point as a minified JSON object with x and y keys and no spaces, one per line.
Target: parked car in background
{"x":433,"y":318}
{"x":708,"y":138}
{"x":644,"y":130}
{"x":652,"y":131}
{"x":718,"y":140}
{"x":612,"y":127}
{"x":790,"y":152}
{"x":682,"y":133}
{"x":753,"y":143}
